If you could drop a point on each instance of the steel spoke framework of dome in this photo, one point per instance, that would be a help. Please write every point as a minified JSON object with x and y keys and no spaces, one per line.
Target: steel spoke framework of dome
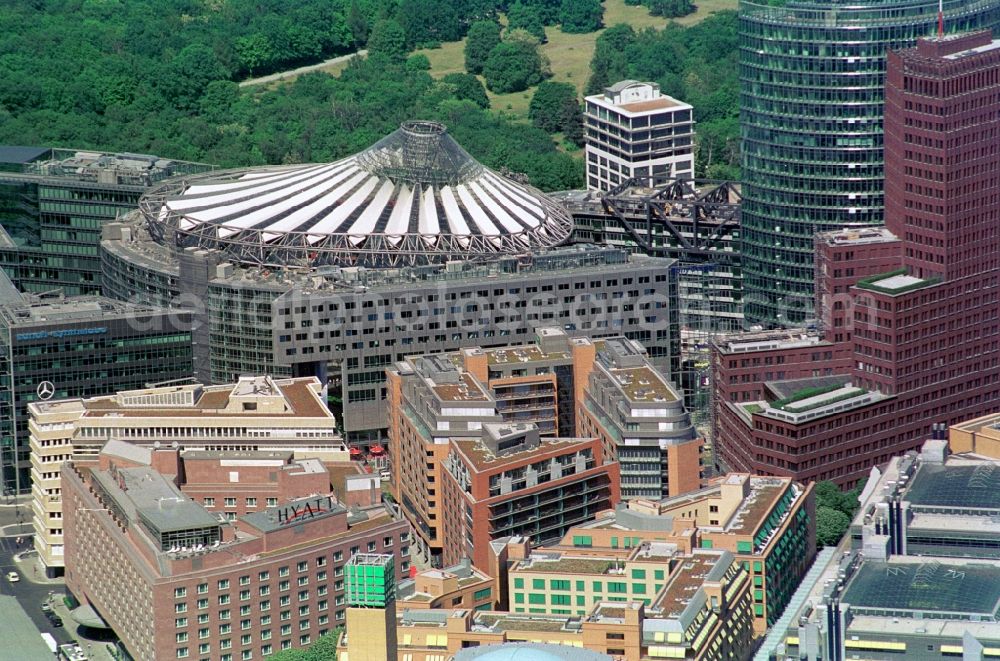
{"x":414,"y":197}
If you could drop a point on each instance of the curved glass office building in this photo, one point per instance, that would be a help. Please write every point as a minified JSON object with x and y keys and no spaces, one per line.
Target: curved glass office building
{"x":812,"y":75}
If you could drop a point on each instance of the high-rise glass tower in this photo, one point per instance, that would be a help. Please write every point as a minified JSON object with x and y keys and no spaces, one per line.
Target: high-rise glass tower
{"x":811,"y":77}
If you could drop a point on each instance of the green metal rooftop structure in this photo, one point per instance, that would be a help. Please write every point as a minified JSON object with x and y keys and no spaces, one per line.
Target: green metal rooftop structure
{"x":956,"y":489}
{"x":370,"y":581}
{"x":811,"y":104}
{"x":929,"y":590}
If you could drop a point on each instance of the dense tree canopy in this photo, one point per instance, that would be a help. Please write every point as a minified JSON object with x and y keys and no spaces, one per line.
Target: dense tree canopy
{"x":59,"y":40}
{"x":514,"y":65}
{"x":483,"y":37}
{"x":468,"y":87}
{"x":418,"y":62}
{"x":526,"y":17}
{"x":357,"y":23}
{"x":830,"y":526}
{"x":324,"y":649}
{"x":548,"y":10}
{"x":388,"y":39}
{"x":666,"y":8}
{"x":555,"y":108}
{"x":183,"y":105}
{"x":428,"y":22}
{"x":829,"y":494}
{"x":610,"y":61}
{"x":579,"y":16}
{"x":834,"y":511}
{"x":670,"y":8}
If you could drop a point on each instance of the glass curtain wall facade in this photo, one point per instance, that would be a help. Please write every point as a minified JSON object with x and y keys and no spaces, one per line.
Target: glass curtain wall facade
{"x":63,"y":236}
{"x":95,"y":353}
{"x":53,"y":208}
{"x":811,"y":104}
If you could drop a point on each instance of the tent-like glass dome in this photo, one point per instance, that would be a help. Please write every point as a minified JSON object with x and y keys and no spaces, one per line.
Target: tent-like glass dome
{"x":414,"y":197}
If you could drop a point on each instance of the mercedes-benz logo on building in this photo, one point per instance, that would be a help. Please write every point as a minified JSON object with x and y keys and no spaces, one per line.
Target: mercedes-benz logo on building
{"x":46,"y":389}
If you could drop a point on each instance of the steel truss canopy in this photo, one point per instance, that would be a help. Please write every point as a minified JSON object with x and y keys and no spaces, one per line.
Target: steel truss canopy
{"x":414,"y":197}
{"x":699,"y":215}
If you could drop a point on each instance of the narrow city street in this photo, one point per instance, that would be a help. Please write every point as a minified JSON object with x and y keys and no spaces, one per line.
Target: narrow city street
{"x":32,"y":590}
{"x":30,"y":595}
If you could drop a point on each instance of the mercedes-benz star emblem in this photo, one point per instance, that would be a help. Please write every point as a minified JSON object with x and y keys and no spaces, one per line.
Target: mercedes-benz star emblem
{"x":46,"y":389}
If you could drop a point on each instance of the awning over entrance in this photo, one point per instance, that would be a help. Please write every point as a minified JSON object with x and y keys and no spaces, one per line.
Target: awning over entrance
{"x":88,"y":617}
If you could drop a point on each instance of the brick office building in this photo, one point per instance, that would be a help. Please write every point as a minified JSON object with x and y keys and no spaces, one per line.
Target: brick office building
{"x":768,"y":523}
{"x":747,"y":366}
{"x":842,"y":258}
{"x":924,"y":337}
{"x":256,"y":413}
{"x":177,"y":579}
{"x":511,"y":482}
{"x":565,"y":387}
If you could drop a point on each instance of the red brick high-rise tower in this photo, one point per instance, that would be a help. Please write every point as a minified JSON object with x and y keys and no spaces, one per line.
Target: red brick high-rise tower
{"x":934,"y":337}
{"x":942,"y":151}
{"x":924,"y":338}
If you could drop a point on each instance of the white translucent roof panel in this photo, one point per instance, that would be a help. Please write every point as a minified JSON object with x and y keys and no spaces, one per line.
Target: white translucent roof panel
{"x":515,"y":209}
{"x":516,"y":193}
{"x":365,"y":224}
{"x":429,"y":224}
{"x":208,"y":194}
{"x":399,"y":219}
{"x":269,"y":172}
{"x":271,"y":202}
{"x":498,"y":211}
{"x":333,"y":220}
{"x":213,"y":207}
{"x":245,"y":180}
{"x":341,"y":184}
{"x":483,"y":222}
{"x":315,"y":187}
{"x":456,"y":222}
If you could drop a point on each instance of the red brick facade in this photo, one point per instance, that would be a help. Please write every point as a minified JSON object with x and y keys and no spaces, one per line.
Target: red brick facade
{"x":941,"y":156}
{"x":264,"y":588}
{"x":843,"y":258}
{"x":474,"y":516}
{"x":930,"y":341}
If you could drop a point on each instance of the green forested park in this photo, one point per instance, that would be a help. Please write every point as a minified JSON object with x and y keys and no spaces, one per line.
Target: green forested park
{"x":160,"y":76}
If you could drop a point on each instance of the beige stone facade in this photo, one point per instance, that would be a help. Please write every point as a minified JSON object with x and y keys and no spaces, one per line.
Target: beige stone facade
{"x":254,"y":414}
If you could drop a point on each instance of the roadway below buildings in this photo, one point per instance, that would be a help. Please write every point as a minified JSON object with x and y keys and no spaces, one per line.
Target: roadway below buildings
{"x":16,"y":530}
{"x":33,"y":591}
{"x":15,"y":512}
{"x":29,"y":594}
{"x":292,"y":73}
